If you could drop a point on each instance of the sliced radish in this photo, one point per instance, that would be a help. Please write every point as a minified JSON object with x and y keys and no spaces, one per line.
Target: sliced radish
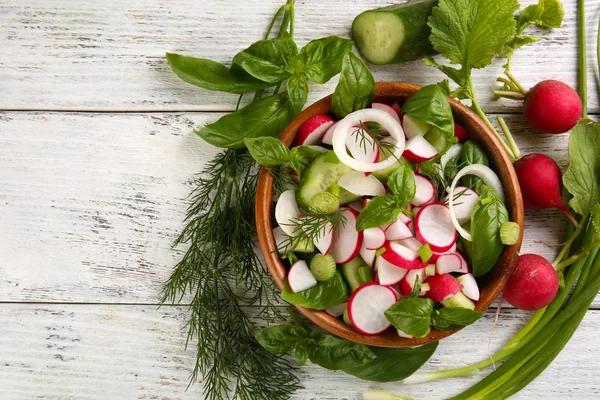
{"x":465,"y":266}
{"x":344,"y":129}
{"x":282,"y":240}
{"x":300,"y":278}
{"x":347,"y":240}
{"x":373,"y":238}
{"x":433,"y":225}
{"x":435,"y":255}
{"x":312,"y":131}
{"x":328,"y":136}
{"x":425,"y":192}
{"x":286,"y":212}
{"x":337,"y":311}
{"x":357,"y":183}
{"x":442,"y":287}
{"x":404,"y":335}
{"x":356,"y":205}
{"x":362,"y":146}
{"x":412,"y":243}
{"x":388,"y":273}
{"x":470,"y":287}
{"x":418,"y":149}
{"x":325,"y":239}
{"x":464,"y":200}
{"x":447,"y":263}
{"x":414,"y":128}
{"x":390,"y":110}
{"x":368,"y":256}
{"x":452,"y":153}
{"x":367,"y":306}
{"x":397,"y":108}
{"x":461,"y":133}
{"x":398,"y":230}
{"x":401,"y":256}
{"x":405,"y":219}
{"x":408,"y":283}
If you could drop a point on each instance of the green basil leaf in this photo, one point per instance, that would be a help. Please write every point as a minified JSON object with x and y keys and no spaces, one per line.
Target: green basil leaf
{"x":325,"y":294}
{"x":266,"y":60}
{"x":448,"y":318}
{"x":430,"y":105}
{"x":391,"y":365}
{"x":486,"y":221}
{"x":301,"y":353}
{"x":302,"y":156}
{"x":297,"y":88}
{"x":268,"y":151}
{"x":266,"y":117}
{"x":380,"y":210}
{"x":356,"y":87}
{"x":472,"y":153}
{"x":281,"y":338}
{"x":211,"y":75}
{"x":321,"y":59}
{"x":403,"y":184}
{"x":334,"y":353}
{"x":411,"y":316}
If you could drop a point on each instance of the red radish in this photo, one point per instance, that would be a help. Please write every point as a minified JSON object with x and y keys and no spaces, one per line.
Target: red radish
{"x":401,"y":256}
{"x":425,"y":191}
{"x":388,"y":273}
{"x":465,"y":266}
{"x":397,"y":108}
{"x":325,"y":239}
{"x":552,"y":107}
{"x":373,"y":238}
{"x":533,"y":283}
{"x":435,"y":256}
{"x":347,"y":240}
{"x":447,"y":263}
{"x":286,"y":212}
{"x":442,"y":287}
{"x":461,"y":133}
{"x":300,"y":278}
{"x":356,"y":205}
{"x":398,"y":230}
{"x":464,"y":201}
{"x":337,"y":311}
{"x":405,"y":219}
{"x":367,"y":306}
{"x":408,"y":283}
{"x":470,"y":287}
{"x":359,"y":184}
{"x":412,"y":127}
{"x":282,"y":240}
{"x":312,"y":131}
{"x":387,"y":109}
{"x":404,"y":335}
{"x":368,"y":256}
{"x":328,"y":136}
{"x":365,"y":202}
{"x":418,"y":149}
{"x":433,"y":225}
{"x":412,"y":243}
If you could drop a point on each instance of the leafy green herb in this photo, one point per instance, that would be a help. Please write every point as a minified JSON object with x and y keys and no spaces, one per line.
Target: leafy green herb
{"x":321,"y":59}
{"x":297,"y":88}
{"x":430,"y":105}
{"x":266,"y":59}
{"x":403,"y":184}
{"x":447,"y":318}
{"x":379,"y":211}
{"x":281,"y":338}
{"x":412,"y":316}
{"x":268,"y":151}
{"x":472,"y":153}
{"x":301,"y":158}
{"x":355,"y":89}
{"x":325,"y":294}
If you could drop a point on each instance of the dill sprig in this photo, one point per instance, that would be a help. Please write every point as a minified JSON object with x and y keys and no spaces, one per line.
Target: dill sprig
{"x":282,"y":178}
{"x":220,"y":232}
{"x":312,"y":227}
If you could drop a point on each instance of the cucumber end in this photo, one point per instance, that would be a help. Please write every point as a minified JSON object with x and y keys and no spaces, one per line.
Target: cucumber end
{"x":378,"y":35}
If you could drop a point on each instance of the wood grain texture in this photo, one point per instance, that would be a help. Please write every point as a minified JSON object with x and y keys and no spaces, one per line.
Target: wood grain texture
{"x":137,"y":352}
{"x":74,"y":55}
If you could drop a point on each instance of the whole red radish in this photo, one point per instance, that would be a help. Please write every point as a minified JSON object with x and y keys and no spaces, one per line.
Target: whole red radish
{"x":552,"y":107}
{"x":533,"y":283}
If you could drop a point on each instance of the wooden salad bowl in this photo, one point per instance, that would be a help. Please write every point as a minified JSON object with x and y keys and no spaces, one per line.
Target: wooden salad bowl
{"x":490,"y":285}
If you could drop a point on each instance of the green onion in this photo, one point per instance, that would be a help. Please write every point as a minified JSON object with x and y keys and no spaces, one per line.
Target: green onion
{"x":509,"y":233}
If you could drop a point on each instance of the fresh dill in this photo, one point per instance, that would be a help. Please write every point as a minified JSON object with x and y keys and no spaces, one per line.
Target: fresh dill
{"x":369,"y":136}
{"x":282,"y":178}
{"x":312,"y":227}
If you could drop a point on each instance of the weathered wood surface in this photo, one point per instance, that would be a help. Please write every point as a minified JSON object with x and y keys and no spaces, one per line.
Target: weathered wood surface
{"x":109,"y":55}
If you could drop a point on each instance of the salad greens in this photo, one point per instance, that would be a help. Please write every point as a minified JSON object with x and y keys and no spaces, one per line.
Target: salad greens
{"x":472,"y":153}
{"x":412,"y":316}
{"x":325,"y":294}
{"x":430,"y":105}
{"x":355,"y":89}
{"x":447,"y":318}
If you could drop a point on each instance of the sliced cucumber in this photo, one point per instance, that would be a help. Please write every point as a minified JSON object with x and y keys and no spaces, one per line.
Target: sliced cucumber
{"x":343,"y":195}
{"x":347,"y":317}
{"x":322,"y":267}
{"x":356,"y":274}
{"x":320,"y":176}
{"x":384,"y":174}
{"x":459,"y":300}
{"x":395,"y":33}
{"x":323,"y":203}
{"x":303,"y":245}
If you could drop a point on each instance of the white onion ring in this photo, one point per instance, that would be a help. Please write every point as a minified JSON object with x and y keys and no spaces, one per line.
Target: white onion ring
{"x":344,"y":128}
{"x":488,"y":176}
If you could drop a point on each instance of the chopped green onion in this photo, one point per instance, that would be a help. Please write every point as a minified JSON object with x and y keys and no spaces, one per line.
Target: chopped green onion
{"x":509,"y":233}
{"x":425,"y":252}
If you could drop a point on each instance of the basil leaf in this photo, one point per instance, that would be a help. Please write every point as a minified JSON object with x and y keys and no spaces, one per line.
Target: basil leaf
{"x":334,"y":353}
{"x":486,"y":220}
{"x":380,"y":210}
{"x":211,"y":75}
{"x":281,"y":338}
{"x":472,"y":153}
{"x":268,"y":151}
{"x":411,"y":316}
{"x":430,"y":105}
{"x":302,"y":156}
{"x":403,"y":184}
{"x":325,"y":294}
{"x":393,"y":365}
{"x":356,"y":87}
{"x":301,"y":353}
{"x":448,"y":318}
{"x":321,"y":59}
{"x":266,"y":60}
{"x":266,"y":117}
{"x":297,"y":88}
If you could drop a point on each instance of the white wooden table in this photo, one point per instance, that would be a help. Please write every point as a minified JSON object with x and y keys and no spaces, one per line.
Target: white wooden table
{"x":96,"y":157}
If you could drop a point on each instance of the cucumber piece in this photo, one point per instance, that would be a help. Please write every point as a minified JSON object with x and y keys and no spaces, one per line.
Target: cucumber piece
{"x":384,"y":174}
{"x":323,"y":172}
{"x":459,"y":300}
{"x":343,"y":195}
{"x":347,"y":317}
{"x":355,"y":274}
{"x":322,"y":267}
{"x":395,"y":33}
{"x":323,"y":203}
{"x":303,"y":245}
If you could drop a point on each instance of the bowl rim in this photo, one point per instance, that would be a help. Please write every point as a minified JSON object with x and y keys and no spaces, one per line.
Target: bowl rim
{"x":494,"y":281}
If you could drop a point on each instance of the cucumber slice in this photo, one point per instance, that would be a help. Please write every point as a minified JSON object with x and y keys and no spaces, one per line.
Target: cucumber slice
{"x":324,"y":203}
{"x":395,"y":33}
{"x":459,"y":300}
{"x":303,"y":245}
{"x":356,"y":274}
{"x":322,"y":267}
{"x":343,"y":195}
{"x":320,"y":176}
{"x":384,"y":174}
{"x":347,"y":317}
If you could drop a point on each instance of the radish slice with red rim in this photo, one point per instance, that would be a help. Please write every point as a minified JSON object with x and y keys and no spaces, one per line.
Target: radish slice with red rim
{"x":465,"y":266}
{"x":398,"y":230}
{"x":373,"y":238}
{"x":412,"y":243}
{"x":367,"y":306}
{"x":282,"y":240}
{"x":433,"y":225}
{"x":368,"y":256}
{"x":408,"y":283}
{"x":447,"y":263}
{"x":347,"y":241}
{"x":464,"y":200}
{"x":435,"y":255}
{"x":328,"y":136}
{"x":401,"y":256}
{"x":357,"y":183}
{"x":287,"y":212}
{"x":470,"y":287}
{"x":425,"y":192}
{"x":418,"y":149}
{"x":388,"y":273}
{"x":324,"y":241}
{"x":312,"y":131}
{"x":388,"y":109}
{"x":300,"y":278}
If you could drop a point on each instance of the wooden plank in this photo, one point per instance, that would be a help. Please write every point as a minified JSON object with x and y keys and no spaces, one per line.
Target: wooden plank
{"x":126,"y":352}
{"x":71,"y":55}
{"x":90,"y":203}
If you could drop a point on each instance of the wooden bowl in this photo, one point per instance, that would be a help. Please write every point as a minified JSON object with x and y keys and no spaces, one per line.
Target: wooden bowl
{"x":490,"y":285}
